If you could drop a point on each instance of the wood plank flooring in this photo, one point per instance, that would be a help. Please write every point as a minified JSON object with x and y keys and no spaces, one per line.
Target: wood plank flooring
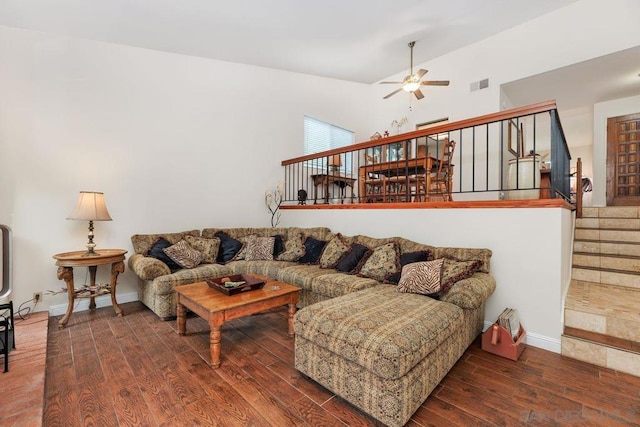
{"x":22,"y":388}
{"x":135,"y":370}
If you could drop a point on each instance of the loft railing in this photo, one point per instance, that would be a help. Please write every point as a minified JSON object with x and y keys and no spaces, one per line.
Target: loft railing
{"x":514,"y":154}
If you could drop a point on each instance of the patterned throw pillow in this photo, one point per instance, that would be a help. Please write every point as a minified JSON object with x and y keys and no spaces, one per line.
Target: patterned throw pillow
{"x":183,"y":254}
{"x":383,"y":261}
{"x":408,"y":258}
{"x":259,"y":248}
{"x":421,"y":277}
{"x":293,"y":249}
{"x":454,"y":270}
{"x":351,"y":259}
{"x":243,"y":251}
{"x":207,"y":247}
{"x":335,"y":249}
{"x":157,"y":251}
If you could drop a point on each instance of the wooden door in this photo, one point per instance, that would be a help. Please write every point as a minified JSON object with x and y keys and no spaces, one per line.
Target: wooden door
{"x":623,"y":160}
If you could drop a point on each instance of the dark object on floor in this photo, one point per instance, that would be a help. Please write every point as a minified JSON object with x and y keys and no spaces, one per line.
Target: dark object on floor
{"x":7,"y":334}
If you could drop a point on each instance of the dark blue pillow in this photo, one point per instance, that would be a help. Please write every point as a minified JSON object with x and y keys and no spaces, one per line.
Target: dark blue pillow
{"x":278,"y":245}
{"x":408,"y":258}
{"x":157,"y":252}
{"x":351,"y":259}
{"x":229,"y":247}
{"x":312,"y":251}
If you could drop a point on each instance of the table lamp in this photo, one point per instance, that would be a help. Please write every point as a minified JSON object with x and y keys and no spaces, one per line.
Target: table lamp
{"x":90,"y":207}
{"x":335,"y":162}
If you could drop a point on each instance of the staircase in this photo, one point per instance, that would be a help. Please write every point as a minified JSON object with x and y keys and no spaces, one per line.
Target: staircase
{"x":602,"y":308}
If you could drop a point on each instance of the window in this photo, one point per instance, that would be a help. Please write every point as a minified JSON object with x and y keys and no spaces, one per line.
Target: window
{"x":321,"y":136}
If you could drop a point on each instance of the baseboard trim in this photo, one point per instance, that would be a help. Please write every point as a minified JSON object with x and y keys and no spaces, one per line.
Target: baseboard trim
{"x":83,"y":304}
{"x":537,"y":340}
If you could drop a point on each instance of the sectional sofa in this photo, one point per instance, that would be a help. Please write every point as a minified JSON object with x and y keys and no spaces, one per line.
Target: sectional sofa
{"x":373,"y":335}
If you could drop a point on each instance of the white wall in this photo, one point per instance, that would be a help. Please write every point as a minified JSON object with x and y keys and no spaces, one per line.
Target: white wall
{"x":175,"y":142}
{"x":530,"y":263}
{"x":601,"y":112}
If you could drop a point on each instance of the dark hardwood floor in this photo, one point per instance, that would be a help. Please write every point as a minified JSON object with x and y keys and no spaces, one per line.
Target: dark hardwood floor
{"x":108,"y":371}
{"x":21,"y":389}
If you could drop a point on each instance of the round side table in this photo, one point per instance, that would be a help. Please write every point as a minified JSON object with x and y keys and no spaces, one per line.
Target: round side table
{"x":67,"y":260}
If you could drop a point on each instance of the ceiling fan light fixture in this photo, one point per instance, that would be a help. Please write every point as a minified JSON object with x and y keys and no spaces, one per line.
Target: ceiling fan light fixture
{"x":411,"y":86}
{"x":413,"y":82}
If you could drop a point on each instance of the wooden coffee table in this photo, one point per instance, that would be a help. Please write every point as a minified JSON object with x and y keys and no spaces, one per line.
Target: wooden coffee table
{"x":217,"y":308}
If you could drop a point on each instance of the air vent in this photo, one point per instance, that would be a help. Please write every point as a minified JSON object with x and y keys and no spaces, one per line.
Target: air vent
{"x":481,"y":84}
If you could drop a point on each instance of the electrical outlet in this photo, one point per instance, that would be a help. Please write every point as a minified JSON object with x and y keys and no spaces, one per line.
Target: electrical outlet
{"x":37,"y":296}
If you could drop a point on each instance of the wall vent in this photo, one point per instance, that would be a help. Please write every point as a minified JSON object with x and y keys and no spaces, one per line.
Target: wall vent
{"x":481,"y":84}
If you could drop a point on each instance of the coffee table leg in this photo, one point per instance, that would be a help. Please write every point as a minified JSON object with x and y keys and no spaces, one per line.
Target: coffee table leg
{"x":215,"y":337}
{"x":292,"y":311}
{"x":182,"y":317}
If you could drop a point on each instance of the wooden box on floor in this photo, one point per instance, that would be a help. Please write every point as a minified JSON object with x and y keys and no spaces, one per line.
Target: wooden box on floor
{"x":498,"y":340}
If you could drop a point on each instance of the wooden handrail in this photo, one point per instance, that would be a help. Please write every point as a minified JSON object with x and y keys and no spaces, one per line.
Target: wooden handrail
{"x":540,"y":107}
{"x":579,"y":188}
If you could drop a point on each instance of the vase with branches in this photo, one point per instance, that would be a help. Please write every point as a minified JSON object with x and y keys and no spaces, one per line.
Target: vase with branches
{"x":398,"y":124}
{"x":272,"y":200}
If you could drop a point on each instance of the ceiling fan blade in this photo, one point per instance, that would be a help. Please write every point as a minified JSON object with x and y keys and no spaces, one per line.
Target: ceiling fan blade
{"x":435,"y":83}
{"x":392,"y":93}
{"x":420,"y":73}
{"x":418,"y":94}
{"x":390,"y":83}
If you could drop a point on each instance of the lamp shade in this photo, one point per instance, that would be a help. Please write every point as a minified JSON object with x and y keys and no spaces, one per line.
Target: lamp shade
{"x":90,"y":207}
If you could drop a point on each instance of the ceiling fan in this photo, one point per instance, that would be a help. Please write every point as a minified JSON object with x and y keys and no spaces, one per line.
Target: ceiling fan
{"x":412,"y":82}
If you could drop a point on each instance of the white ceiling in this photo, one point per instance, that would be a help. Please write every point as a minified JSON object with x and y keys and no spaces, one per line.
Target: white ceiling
{"x":357,"y":40}
{"x":581,"y":85}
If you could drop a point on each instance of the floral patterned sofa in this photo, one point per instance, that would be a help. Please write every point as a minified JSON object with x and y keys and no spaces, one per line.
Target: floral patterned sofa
{"x":362,"y":331}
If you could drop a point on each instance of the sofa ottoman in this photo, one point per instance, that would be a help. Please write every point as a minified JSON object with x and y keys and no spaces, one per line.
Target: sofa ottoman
{"x":381,"y":350}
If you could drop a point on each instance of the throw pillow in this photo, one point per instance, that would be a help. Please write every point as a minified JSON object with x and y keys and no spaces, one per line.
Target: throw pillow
{"x":421,"y":277}
{"x":454,"y":270}
{"x":293,"y":249}
{"x":243,"y":251}
{"x":156,"y":251}
{"x":184,"y":255}
{"x":259,"y":248}
{"x":383,"y":261}
{"x":408,"y":258}
{"x":207,"y":247}
{"x":229,"y":247}
{"x":278,"y":245}
{"x":351,"y":259}
{"x":335,"y":249}
{"x":312,"y":250}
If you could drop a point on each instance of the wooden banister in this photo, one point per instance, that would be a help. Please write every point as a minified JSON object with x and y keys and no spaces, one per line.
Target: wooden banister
{"x":579,"y":188}
{"x":540,"y":107}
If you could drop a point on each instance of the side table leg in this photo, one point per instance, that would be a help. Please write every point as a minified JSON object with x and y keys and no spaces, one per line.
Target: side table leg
{"x":92,"y":282}
{"x":292,"y":311}
{"x":116,"y":268}
{"x":66,"y":274}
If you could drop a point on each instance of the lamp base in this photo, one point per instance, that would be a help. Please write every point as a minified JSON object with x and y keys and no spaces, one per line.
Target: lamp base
{"x":90,"y":253}
{"x":90,"y":248}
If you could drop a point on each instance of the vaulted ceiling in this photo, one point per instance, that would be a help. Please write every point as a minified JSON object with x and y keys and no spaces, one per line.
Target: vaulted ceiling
{"x":357,"y":40}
